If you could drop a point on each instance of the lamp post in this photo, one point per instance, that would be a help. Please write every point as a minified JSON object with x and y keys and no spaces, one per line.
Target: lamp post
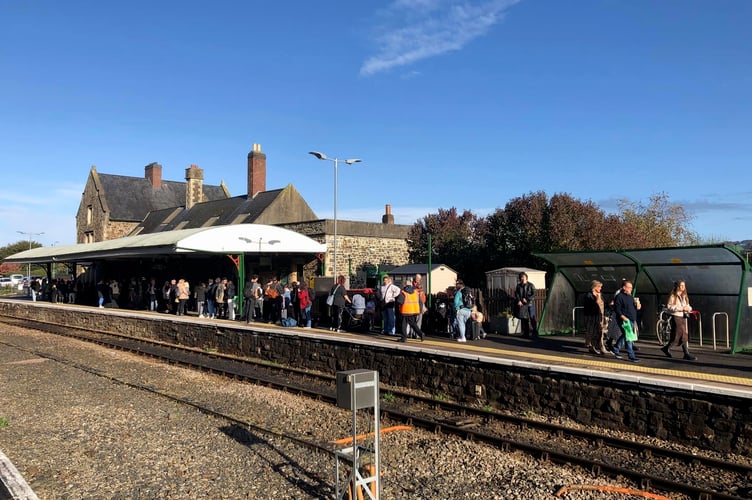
{"x":349,"y":161}
{"x":30,"y":234}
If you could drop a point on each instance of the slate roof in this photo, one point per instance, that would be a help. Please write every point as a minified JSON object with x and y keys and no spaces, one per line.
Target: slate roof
{"x":236,"y":210}
{"x":132,"y":198}
{"x":416,"y":268}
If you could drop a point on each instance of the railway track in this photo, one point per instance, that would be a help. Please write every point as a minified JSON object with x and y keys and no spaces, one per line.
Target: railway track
{"x":650,"y":466}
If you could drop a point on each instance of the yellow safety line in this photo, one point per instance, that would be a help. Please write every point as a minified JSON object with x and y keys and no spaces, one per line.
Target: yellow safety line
{"x":626,"y":365}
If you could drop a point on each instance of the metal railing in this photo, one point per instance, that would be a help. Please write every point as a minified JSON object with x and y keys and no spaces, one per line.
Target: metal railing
{"x":728,"y":345}
{"x":574,"y":323}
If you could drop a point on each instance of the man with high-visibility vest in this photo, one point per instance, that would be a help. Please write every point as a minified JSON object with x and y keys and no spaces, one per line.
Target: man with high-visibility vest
{"x":410,"y":307}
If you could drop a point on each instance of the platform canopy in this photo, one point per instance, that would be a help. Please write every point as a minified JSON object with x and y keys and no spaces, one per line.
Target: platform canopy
{"x":232,"y":239}
{"x":717,"y":277}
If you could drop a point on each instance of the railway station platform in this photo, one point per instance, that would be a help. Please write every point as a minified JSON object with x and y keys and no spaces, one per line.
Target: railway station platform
{"x":706,"y":401}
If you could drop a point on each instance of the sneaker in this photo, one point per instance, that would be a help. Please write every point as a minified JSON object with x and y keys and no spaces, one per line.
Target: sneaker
{"x":616,"y":355}
{"x":483,"y":335}
{"x":665,"y":350}
{"x":339,"y":331}
{"x":461,"y":340}
{"x":634,"y":360}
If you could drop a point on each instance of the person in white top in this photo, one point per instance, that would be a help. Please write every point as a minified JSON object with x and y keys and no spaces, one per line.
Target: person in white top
{"x":387,"y":295}
{"x":678,"y":304}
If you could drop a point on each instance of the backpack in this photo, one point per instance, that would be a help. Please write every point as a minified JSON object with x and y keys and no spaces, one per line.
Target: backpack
{"x":468,"y":300}
{"x":288,"y":322}
{"x":272,"y":292}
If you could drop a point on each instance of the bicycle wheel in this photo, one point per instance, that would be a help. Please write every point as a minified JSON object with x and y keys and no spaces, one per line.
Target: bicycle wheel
{"x":663,"y":331}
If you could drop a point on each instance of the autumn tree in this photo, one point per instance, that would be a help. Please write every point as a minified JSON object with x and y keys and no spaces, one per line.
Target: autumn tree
{"x":455,"y":241}
{"x":658,"y":223}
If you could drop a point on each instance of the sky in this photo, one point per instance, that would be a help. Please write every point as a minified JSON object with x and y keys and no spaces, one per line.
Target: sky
{"x":448,"y":103}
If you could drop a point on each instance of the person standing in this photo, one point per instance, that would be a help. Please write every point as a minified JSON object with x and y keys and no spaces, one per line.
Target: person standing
{"x":34,"y":287}
{"x":678,"y":304}
{"x":151,"y":294}
{"x":410,"y":307}
{"x":219,"y":298}
{"x":524,"y":294}
{"x":201,"y":299}
{"x":625,"y":310}
{"x":230,"y":299}
{"x":594,"y":318}
{"x":463,"y":305}
{"x":295,"y":303}
{"x":388,"y":293}
{"x":340,"y":300}
{"x":183,"y":295}
{"x":305,"y":303}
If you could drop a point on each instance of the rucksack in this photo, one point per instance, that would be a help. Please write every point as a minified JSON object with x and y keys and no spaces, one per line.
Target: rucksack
{"x":468,"y":300}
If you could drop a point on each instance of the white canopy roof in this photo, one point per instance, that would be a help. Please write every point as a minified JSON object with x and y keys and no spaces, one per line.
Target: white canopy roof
{"x":232,"y":239}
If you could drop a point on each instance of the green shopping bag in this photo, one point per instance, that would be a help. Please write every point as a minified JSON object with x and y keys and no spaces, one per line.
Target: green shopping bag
{"x":629,"y":333}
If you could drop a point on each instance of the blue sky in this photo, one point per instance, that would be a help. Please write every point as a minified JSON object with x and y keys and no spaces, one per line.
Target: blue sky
{"x":464,"y":104}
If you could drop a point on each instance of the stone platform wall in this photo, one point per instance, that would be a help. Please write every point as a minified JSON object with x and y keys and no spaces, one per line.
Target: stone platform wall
{"x":713,"y":421}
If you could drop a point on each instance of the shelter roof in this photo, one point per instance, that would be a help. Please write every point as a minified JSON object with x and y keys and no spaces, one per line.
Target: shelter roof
{"x":707,"y":269}
{"x":417,"y":268}
{"x":233,"y":239}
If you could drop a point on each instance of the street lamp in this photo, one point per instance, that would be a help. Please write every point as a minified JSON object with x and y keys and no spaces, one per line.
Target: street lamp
{"x":349,"y":161}
{"x":30,"y":234}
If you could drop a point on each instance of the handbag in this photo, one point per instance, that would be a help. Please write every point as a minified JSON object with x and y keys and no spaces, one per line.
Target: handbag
{"x":330,"y":298}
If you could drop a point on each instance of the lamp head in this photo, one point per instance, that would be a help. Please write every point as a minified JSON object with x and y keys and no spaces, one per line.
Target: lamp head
{"x":353,"y":160}
{"x":320,"y":156}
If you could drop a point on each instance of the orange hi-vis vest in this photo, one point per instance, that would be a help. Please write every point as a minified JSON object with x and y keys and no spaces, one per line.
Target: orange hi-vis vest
{"x":411,"y":304}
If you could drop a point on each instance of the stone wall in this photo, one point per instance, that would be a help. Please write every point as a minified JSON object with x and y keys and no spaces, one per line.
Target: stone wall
{"x":359,"y":244}
{"x":708,"y":420}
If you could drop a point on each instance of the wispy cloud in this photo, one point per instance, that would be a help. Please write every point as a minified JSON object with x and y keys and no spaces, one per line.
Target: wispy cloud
{"x":412,"y":30}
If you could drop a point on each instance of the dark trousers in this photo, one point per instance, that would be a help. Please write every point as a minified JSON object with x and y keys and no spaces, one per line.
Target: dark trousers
{"x":412,"y":321}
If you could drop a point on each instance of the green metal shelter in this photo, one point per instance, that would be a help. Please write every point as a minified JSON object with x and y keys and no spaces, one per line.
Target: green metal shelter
{"x":719,"y":284}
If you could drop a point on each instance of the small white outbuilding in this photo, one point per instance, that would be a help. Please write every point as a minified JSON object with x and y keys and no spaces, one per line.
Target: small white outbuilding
{"x":506,"y":278}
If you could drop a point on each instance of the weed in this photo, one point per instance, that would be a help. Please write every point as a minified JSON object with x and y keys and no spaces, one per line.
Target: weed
{"x":3,"y":422}
{"x":388,"y":397}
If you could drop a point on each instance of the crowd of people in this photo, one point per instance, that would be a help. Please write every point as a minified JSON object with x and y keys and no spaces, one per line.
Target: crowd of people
{"x":609,"y":328}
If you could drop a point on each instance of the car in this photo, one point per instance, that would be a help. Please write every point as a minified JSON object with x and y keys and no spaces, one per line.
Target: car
{"x":6,"y":282}
{"x":16,"y":278}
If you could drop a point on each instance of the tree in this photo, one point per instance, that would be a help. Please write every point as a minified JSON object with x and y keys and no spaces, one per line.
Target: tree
{"x":658,"y":224}
{"x":455,"y":240}
{"x":14,"y":248}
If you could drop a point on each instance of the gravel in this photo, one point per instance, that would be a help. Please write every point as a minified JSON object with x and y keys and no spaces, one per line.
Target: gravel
{"x":75,"y":434}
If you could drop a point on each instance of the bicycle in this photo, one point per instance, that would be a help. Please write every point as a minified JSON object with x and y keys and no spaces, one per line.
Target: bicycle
{"x":663,"y":326}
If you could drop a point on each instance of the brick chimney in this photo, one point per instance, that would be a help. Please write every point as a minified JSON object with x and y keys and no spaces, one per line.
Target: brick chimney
{"x":256,"y":171}
{"x":388,"y":218}
{"x":153,"y":172}
{"x":194,"y":185}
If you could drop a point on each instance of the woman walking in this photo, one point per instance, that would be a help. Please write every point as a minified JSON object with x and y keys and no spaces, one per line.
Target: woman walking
{"x":678,"y":304}
{"x":594,"y":319}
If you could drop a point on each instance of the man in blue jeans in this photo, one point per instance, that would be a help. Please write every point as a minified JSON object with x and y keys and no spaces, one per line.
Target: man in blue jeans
{"x":463,"y":311}
{"x":387,"y":294}
{"x":625,"y":309}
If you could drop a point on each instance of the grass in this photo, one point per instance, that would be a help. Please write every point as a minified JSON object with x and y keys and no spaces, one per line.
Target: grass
{"x":3,"y":422}
{"x":388,"y":397}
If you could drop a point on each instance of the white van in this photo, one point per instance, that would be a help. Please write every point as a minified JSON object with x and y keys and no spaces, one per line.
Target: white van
{"x":16,"y":278}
